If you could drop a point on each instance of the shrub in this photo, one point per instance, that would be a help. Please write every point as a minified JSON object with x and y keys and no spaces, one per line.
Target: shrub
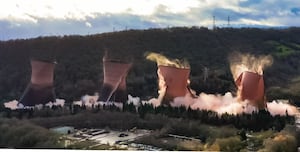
{"x":230,"y":144}
{"x":281,"y":142}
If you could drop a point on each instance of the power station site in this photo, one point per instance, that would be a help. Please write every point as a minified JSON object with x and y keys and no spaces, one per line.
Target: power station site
{"x":173,"y":87}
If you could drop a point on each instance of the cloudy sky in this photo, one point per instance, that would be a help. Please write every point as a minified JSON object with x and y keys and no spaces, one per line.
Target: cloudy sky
{"x":33,"y":18}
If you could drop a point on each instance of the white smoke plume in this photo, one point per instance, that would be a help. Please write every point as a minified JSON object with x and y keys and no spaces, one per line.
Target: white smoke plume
{"x":79,"y":103}
{"x":89,"y":100}
{"x":162,"y":60}
{"x":218,"y":103}
{"x":246,"y":62}
{"x":134,"y":100}
{"x":58,"y":102}
{"x":280,"y":108}
{"x":155,"y":102}
{"x":227,"y":104}
{"x":40,"y":106}
{"x":13,"y":105}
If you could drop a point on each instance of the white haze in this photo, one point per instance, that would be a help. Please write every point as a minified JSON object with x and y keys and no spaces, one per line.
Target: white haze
{"x":14,"y":104}
{"x":92,"y":101}
{"x":226,"y":104}
{"x":218,"y":103}
{"x":59,"y":102}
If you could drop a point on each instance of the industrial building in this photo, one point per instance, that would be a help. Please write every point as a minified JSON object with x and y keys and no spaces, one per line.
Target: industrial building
{"x":251,"y":87}
{"x":173,"y":82}
{"x":114,"y":84}
{"x":63,"y":130}
{"x":40,"y":89}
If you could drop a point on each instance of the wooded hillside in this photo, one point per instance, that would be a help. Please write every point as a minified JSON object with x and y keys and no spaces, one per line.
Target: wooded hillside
{"x":79,"y":68}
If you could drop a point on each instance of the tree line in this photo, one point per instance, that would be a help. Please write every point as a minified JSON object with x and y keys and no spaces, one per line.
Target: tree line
{"x":255,"y":121}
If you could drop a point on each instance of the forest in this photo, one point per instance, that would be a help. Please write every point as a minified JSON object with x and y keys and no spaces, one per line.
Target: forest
{"x":216,"y":132}
{"x":79,"y":58}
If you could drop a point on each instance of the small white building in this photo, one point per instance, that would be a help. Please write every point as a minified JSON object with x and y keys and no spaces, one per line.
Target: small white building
{"x":63,"y":129}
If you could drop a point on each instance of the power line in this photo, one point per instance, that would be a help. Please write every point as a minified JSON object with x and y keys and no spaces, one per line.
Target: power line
{"x":228,"y":19}
{"x":205,"y":74}
{"x":214,"y":22}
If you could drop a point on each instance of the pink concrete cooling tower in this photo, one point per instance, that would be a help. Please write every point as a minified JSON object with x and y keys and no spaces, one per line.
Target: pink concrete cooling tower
{"x":176,"y":82}
{"x":114,"y":85}
{"x":40,"y":89}
{"x":251,"y":87}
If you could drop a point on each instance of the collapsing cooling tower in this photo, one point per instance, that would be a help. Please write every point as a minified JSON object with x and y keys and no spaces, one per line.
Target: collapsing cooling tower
{"x":251,"y":87}
{"x":40,"y":89}
{"x":114,"y":85}
{"x":174,"y":81}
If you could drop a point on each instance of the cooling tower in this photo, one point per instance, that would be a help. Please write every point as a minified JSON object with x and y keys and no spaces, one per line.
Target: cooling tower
{"x":251,"y":87}
{"x":40,"y":89}
{"x":114,"y":85}
{"x":175,"y":82}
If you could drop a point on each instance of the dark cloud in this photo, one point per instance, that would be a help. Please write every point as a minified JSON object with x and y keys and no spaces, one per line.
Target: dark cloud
{"x":222,"y":14}
{"x":295,"y":11}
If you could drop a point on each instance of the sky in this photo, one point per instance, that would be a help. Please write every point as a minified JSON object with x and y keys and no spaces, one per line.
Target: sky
{"x":22,"y":19}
